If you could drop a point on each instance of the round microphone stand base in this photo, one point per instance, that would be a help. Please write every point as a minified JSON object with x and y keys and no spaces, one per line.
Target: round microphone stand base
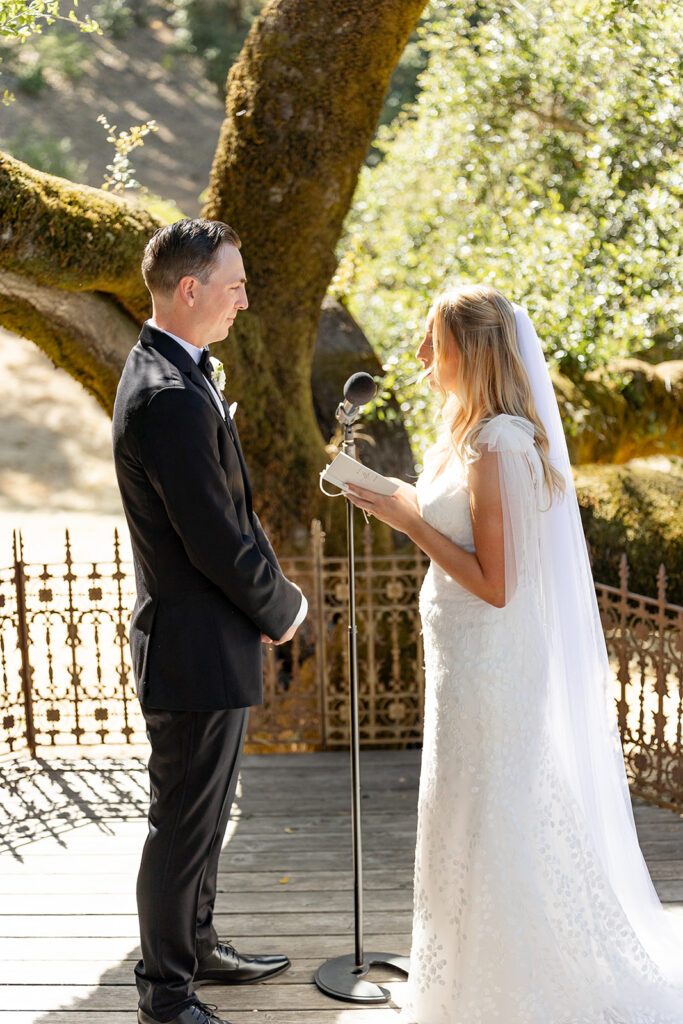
{"x":342,"y":979}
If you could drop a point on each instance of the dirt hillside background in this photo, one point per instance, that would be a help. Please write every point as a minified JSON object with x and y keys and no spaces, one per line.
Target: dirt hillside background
{"x":55,"y":450}
{"x":131,"y":80}
{"x":56,"y":469}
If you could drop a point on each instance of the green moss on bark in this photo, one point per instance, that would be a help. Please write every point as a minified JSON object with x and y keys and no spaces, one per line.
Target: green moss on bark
{"x":628,"y":409}
{"x":302,"y":103}
{"x":73,"y":237}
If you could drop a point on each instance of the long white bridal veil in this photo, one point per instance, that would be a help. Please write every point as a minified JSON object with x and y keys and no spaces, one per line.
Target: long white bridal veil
{"x":582,"y":716}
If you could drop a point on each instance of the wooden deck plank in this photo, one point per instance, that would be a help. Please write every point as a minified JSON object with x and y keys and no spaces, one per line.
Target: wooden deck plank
{"x":237,"y":903}
{"x":83,"y":972}
{"x":107,"y":950}
{"x":332,"y":1015}
{"x":36,"y":883}
{"x":71,"y":853}
{"x":123,"y":997}
{"x":285,"y":861}
{"x":105,"y":885}
{"x":309,"y":922}
{"x":233,"y":902}
{"x":286,"y":844}
{"x":661,"y":842}
{"x":86,"y":840}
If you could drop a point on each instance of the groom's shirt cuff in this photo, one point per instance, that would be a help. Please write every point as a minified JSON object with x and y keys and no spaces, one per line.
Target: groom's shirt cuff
{"x":301,"y":614}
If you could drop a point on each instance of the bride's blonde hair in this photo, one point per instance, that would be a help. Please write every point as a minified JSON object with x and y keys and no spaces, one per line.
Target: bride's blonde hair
{"x":475,"y":325}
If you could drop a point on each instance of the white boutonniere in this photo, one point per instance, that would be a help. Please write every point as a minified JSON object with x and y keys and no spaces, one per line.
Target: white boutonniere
{"x":217,"y":374}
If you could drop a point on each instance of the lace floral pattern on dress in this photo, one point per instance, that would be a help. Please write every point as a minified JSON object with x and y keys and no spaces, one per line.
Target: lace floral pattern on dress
{"x":514,"y":919}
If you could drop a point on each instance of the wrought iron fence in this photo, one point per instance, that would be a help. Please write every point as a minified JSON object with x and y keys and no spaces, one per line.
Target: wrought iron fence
{"x":645,"y":643}
{"x":64,"y":658}
{"x":67,"y":680}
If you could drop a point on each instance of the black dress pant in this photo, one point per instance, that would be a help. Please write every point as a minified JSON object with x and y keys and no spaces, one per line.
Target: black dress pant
{"x":193,"y":771}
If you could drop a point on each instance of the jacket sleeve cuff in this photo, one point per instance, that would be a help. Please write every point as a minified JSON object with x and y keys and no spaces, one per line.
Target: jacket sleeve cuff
{"x":301,"y":614}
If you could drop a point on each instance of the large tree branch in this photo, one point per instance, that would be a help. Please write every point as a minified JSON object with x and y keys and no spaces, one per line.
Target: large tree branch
{"x":303,"y":101}
{"x":627,"y":409}
{"x":72,"y":237}
{"x":88,"y":335}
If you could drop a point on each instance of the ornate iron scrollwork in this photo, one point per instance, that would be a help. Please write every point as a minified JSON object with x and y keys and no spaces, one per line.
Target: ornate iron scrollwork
{"x":65,"y":673}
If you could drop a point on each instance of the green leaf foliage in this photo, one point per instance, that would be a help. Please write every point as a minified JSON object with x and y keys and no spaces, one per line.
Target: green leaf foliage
{"x":637,"y":509}
{"x":542,"y":155}
{"x":20,"y":19}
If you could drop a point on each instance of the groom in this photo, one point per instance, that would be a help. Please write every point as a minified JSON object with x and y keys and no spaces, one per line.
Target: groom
{"x":209,"y":592}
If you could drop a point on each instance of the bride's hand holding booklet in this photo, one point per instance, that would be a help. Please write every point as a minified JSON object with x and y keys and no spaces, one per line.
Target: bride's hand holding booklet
{"x":344,"y":472}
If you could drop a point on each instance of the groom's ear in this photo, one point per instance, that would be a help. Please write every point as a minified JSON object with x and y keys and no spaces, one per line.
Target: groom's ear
{"x":187,"y":290}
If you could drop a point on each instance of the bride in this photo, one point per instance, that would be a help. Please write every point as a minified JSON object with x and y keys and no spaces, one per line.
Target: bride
{"x":533,"y":904}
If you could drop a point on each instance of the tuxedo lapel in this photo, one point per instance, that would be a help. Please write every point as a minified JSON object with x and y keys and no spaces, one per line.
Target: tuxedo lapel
{"x":176,"y":354}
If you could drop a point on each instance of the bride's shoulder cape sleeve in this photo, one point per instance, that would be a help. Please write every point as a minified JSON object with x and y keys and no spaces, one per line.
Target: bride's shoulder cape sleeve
{"x":523,"y":496}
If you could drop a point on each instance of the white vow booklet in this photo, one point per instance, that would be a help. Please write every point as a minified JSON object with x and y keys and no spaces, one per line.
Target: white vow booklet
{"x":344,"y":471}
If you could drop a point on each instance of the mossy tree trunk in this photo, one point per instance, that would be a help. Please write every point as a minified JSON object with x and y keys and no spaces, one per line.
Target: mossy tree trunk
{"x":303,"y":100}
{"x":302,"y":104}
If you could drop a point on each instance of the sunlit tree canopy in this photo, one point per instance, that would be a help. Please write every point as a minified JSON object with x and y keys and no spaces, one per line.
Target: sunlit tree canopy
{"x":542,"y":155}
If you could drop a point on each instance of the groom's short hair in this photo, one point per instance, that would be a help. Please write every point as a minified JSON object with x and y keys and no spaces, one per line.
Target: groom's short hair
{"x":187,"y":248}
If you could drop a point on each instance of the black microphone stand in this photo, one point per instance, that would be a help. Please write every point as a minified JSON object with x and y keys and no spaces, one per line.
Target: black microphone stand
{"x":343,"y":977}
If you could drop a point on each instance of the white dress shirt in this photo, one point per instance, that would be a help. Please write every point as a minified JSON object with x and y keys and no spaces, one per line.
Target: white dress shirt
{"x":196,"y":354}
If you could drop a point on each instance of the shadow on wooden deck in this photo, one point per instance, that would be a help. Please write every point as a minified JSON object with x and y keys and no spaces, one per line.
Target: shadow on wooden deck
{"x":46,"y":798}
{"x":71,"y":836}
{"x":71,"y":833}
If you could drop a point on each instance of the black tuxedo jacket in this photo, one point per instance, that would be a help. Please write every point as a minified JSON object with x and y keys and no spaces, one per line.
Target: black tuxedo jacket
{"x":208,"y":581}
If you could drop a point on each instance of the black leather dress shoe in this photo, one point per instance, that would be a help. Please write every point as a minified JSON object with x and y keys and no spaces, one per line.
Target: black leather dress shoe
{"x":228,"y":967}
{"x":198,"y":1013}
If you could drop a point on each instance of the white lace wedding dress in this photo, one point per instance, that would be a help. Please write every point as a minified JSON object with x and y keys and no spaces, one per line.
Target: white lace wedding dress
{"x":516,"y":920}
